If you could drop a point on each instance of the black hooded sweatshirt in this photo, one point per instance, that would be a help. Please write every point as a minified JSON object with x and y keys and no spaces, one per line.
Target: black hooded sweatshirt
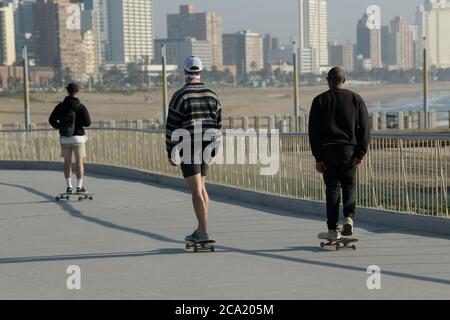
{"x":82,"y":115}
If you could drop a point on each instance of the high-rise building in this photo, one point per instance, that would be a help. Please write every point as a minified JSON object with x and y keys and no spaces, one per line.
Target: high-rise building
{"x":206,"y":26}
{"x":336,"y":52}
{"x":96,"y":16}
{"x":244,"y":49}
{"x":7,"y":39}
{"x":313,"y":33}
{"x":433,"y":19}
{"x":369,"y":43}
{"x":58,"y":38}
{"x":403,"y":44}
{"x":130,"y":31}
{"x":177,"y":50}
{"x":349,"y":57}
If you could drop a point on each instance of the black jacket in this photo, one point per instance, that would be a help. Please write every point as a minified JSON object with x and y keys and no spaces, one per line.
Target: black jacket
{"x":339,"y":116}
{"x":82,"y":115}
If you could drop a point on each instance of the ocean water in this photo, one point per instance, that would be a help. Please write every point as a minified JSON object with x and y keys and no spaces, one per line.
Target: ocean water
{"x":437,"y":101}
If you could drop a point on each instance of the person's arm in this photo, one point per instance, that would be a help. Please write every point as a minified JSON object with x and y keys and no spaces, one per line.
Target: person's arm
{"x":85,"y":117}
{"x":315,"y":137}
{"x":219,"y":115}
{"x":362,"y":131}
{"x":54,"y":118}
{"x":174,"y":122}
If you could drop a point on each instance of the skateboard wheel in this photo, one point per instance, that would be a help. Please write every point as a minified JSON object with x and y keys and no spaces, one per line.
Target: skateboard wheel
{"x":322,"y":245}
{"x":196,"y":249}
{"x":57,"y":198}
{"x":354,"y":247}
{"x":338,"y":247}
{"x":91,"y":198}
{"x":80,"y":199}
{"x":187,"y":247}
{"x":213,"y":249}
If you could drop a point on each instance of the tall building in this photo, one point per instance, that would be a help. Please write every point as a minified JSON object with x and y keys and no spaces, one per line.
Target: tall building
{"x":402,"y":34}
{"x":177,"y":50}
{"x":433,"y":19}
{"x":7,"y":39}
{"x":206,"y":26}
{"x":58,"y":38}
{"x":349,"y":57}
{"x":130,"y":31}
{"x":244,"y":49}
{"x":369,"y":43}
{"x":97,"y":17}
{"x":336,"y":52}
{"x":313,"y":33}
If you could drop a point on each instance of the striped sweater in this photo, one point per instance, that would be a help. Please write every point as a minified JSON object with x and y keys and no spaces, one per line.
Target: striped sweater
{"x":191,"y":105}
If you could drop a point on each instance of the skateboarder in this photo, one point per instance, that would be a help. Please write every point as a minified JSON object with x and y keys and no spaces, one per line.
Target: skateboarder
{"x":70,"y":117}
{"x":339,"y":135}
{"x":192,"y":107}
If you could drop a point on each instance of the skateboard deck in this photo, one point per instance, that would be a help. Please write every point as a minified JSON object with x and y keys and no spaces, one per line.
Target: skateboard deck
{"x":81,"y":196}
{"x":201,"y":245}
{"x":343,"y":243}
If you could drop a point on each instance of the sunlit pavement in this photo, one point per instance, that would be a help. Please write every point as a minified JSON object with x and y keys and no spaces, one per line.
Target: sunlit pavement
{"x":128,"y":245}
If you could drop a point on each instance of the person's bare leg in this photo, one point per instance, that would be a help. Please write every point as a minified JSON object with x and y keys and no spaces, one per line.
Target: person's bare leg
{"x":205,"y":196}
{"x":80,"y":168}
{"x":198,"y":200}
{"x":68,"y":167}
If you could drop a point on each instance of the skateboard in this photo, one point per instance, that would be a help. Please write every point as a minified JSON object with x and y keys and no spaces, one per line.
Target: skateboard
{"x":201,"y":245}
{"x":81,"y":196}
{"x":343,"y":243}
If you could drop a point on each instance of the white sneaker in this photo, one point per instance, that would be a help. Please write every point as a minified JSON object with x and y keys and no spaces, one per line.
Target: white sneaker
{"x":332,"y":234}
{"x":347,"y":230}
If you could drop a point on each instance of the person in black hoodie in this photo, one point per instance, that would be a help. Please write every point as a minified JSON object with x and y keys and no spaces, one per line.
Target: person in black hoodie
{"x":70,"y":117}
{"x":339,"y":136}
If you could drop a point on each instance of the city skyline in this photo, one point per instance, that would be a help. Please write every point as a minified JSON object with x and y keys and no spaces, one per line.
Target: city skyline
{"x":284,"y":14}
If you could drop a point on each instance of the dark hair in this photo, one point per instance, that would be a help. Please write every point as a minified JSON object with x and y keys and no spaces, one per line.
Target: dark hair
{"x":72,"y":88}
{"x":336,"y":75}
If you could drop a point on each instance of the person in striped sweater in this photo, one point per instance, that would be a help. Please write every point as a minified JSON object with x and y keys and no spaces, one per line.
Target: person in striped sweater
{"x":195,"y":114}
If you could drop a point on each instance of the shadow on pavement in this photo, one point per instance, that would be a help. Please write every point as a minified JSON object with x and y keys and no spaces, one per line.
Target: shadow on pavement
{"x":75,"y":213}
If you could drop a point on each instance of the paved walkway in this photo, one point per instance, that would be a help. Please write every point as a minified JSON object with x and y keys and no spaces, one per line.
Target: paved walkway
{"x":128,"y":245}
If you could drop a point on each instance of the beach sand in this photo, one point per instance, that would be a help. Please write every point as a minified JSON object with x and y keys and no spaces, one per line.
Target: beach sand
{"x":236,"y":101}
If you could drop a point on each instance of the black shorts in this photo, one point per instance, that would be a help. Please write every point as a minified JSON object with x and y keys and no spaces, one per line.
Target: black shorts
{"x":190,"y":170}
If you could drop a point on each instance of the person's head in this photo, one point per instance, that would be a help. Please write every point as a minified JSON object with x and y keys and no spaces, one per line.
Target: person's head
{"x":193,"y":69}
{"x":72,"y":89}
{"x":336,"y":77}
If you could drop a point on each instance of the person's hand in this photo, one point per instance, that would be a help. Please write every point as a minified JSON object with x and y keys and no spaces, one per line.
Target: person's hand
{"x":173,"y":164}
{"x":357,"y":163}
{"x":321,"y":168}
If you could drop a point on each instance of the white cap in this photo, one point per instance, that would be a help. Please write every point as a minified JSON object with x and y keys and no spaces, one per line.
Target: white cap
{"x":193,"y":64}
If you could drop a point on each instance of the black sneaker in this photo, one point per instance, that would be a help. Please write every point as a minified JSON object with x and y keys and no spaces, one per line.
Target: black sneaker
{"x":69,"y":190}
{"x":81,"y":190}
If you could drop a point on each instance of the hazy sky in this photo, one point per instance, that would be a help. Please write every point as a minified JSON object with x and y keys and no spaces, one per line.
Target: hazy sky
{"x":280,"y":17}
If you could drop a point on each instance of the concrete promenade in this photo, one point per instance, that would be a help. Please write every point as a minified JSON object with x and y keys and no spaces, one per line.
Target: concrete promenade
{"x":128,"y":245}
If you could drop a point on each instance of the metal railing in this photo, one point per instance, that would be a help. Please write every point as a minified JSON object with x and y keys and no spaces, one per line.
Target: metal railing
{"x":402,"y":173}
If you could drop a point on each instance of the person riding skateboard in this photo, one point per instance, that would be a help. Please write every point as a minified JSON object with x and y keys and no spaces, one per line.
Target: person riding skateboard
{"x":196,"y":109}
{"x":339,"y":136}
{"x":70,"y":117}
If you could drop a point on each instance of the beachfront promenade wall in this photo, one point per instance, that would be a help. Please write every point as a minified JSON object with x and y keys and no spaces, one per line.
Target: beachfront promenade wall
{"x":403,"y":173}
{"x":380,"y":121}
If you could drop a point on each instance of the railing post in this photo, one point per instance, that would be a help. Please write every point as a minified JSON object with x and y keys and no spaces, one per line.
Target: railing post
{"x":422,"y":120}
{"x":432,"y":119}
{"x":271,"y":122}
{"x":245,"y":123}
{"x":401,"y":121}
{"x":410,"y":123}
{"x":139,"y":125}
{"x":112,"y":124}
{"x":375,"y":121}
{"x":383,"y":121}
{"x":258,"y":123}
